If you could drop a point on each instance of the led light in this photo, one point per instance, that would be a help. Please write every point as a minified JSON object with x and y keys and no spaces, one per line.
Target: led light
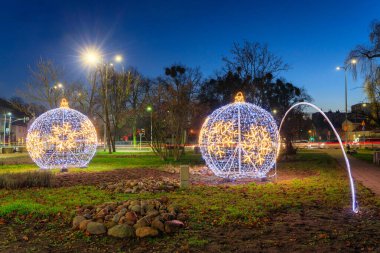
{"x":61,"y":138}
{"x":355,"y":206}
{"x":239,"y":140}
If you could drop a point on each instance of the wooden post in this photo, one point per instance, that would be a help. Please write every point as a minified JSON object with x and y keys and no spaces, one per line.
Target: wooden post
{"x":184,"y":176}
{"x":376,"y":157}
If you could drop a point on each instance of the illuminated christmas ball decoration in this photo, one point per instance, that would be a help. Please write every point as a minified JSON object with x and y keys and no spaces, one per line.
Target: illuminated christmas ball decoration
{"x":61,"y":138}
{"x":239,"y":140}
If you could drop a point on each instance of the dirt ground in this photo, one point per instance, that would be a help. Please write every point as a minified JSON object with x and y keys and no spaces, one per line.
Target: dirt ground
{"x":199,"y":176}
{"x":308,"y":230}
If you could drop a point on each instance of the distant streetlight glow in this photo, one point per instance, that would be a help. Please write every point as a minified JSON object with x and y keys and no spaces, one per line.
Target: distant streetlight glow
{"x":118,"y":58}
{"x":150,"y":109}
{"x":345,"y":67}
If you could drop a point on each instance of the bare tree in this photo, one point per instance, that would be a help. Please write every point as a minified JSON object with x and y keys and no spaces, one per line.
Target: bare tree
{"x":367,"y":64}
{"x":175,"y":102}
{"x":253,"y":60}
{"x":137,"y":99}
{"x":40,"y":88}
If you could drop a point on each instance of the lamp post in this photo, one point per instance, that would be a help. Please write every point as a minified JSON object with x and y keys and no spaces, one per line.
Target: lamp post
{"x":92,"y":57}
{"x":353,"y":61}
{"x":5,"y":123}
{"x":150,"y":109}
{"x":10,"y":125}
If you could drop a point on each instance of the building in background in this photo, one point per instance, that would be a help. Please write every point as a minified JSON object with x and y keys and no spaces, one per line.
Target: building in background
{"x":13,"y":125}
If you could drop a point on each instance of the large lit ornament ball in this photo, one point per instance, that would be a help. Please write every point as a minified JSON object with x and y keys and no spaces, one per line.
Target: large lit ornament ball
{"x":61,"y":138}
{"x":239,"y":140}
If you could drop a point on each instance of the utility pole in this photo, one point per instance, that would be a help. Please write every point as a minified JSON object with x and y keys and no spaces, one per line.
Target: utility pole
{"x":10,"y":124}
{"x":5,"y":122}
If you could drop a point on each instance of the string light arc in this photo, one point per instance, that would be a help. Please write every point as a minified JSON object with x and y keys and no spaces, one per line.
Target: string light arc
{"x":355,"y":206}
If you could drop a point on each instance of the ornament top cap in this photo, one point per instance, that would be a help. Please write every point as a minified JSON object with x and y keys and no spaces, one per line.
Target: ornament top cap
{"x":64,"y":103}
{"x":239,"y":97}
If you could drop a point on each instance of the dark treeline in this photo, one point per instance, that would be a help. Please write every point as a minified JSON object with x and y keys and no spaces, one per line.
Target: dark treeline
{"x":117,"y":100}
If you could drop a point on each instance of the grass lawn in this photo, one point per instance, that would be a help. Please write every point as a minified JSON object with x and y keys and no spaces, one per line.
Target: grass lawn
{"x":312,"y":213}
{"x":365,"y":155}
{"x":102,"y":161}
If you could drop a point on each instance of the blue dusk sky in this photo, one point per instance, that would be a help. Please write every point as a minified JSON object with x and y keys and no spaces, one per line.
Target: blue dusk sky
{"x":313,"y":37}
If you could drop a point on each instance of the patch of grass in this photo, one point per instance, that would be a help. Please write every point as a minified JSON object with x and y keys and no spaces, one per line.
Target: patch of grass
{"x":105,"y":162}
{"x":26,"y":179}
{"x":364,"y":155}
{"x":325,"y":188}
{"x":196,"y":242}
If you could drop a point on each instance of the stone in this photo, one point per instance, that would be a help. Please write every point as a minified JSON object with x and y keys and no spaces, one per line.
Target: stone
{"x":135,"y":202}
{"x":146,"y":232}
{"x":110,"y":224}
{"x":116,"y":218}
{"x":150,"y":207}
{"x":152,"y":214}
{"x":77,"y":220}
{"x":102,"y":213}
{"x":131,"y":218}
{"x":173,"y":226}
{"x":88,"y":216}
{"x":83,"y":225}
{"x":96,"y":228}
{"x":167,"y":216}
{"x":121,"y":231}
{"x":136,"y":208}
{"x":143,"y":222}
{"x":156,"y":223}
{"x":108,"y":217}
{"x":123,"y":211}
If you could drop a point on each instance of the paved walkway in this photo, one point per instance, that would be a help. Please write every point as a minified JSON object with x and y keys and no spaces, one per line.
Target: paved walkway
{"x":366,"y":173}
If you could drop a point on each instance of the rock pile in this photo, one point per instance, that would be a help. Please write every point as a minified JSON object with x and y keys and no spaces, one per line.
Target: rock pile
{"x":131,"y":218}
{"x":161,"y":184}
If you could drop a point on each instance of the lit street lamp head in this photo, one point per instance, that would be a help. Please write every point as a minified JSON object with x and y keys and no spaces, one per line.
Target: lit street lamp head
{"x":118,"y":58}
{"x":149,"y":108}
{"x":91,"y":57}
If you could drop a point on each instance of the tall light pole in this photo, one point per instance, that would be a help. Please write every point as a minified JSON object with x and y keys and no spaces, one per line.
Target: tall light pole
{"x":353,"y":61}
{"x":10,"y":125}
{"x":5,"y":123}
{"x":92,"y":57}
{"x":150,"y":109}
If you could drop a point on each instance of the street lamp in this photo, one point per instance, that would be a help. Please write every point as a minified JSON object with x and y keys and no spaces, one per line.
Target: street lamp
{"x":150,"y":109}
{"x":118,"y":58}
{"x":92,"y":57}
{"x":353,"y":62}
{"x":10,"y":123}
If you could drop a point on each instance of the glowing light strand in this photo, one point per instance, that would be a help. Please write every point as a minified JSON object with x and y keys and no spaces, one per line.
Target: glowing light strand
{"x":61,"y":138}
{"x":355,"y":206}
{"x":239,"y":140}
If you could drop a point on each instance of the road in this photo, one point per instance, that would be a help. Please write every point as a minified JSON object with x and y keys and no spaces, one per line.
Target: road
{"x":364,"y":172}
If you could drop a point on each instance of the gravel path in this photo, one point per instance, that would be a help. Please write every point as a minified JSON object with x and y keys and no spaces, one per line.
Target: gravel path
{"x":364,"y":172}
